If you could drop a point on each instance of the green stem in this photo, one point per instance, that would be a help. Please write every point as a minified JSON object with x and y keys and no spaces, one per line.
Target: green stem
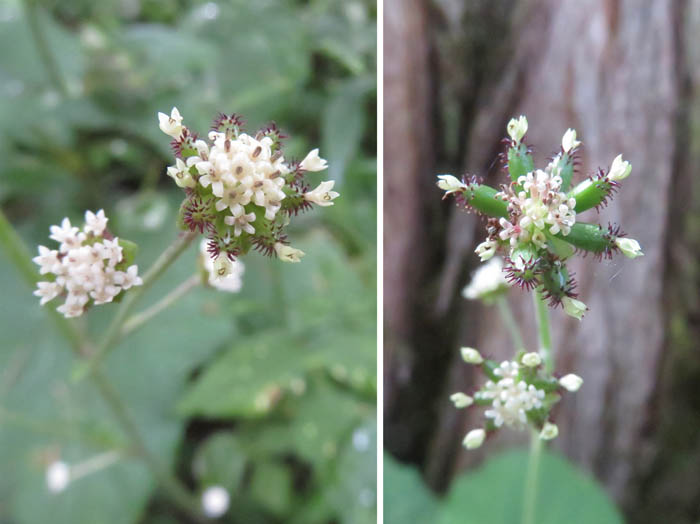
{"x":114,"y":331}
{"x":79,"y":343}
{"x":139,"y":319}
{"x":43,"y":48}
{"x":509,"y":320}
{"x":542,"y":313}
{"x":532,"y":479}
{"x":176,"y":492}
{"x":533,"y":465}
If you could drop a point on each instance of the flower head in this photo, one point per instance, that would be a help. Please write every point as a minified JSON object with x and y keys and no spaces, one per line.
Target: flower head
{"x":517,"y":395}
{"x":240,"y":191}
{"x":88,"y":268}
{"x":534,"y":220}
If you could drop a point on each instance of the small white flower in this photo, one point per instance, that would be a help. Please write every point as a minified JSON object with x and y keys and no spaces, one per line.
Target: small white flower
{"x":620,"y":169}
{"x":450,"y":183}
{"x":486,"y":249}
{"x":232,"y":282}
{"x":95,"y":223}
{"x":569,"y":142}
{"x":549,"y":431}
{"x":471,"y":356}
{"x":322,"y":195}
{"x":461,"y":400}
{"x":487,"y":280}
{"x":574,"y":308}
{"x":517,"y":128}
{"x":180,"y":173}
{"x":474,"y":439}
{"x":215,"y":501}
{"x":57,"y":476}
{"x":47,"y":260}
{"x":241,"y":223}
{"x":571,"y":382}
{"x":129,"y":278}
{"x":313,"y":162}
{"x":47,"y":291}
{"x":629,"y":247}
{"x":531,"y":360}
{"x":171,"y":125}
{"x":288,"y":253}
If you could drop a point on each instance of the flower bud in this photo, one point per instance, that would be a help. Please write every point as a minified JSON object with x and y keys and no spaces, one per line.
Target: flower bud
{"x":487,"y":281}
{"x":461,"y":400}
{"x":629,"y":247}
{"x":574,"y":308}
{"x":288,"y":253}
{"x":474,"y":439}
{"x":517,"y":128}
{"x":531,"y":360}
{"x":568,"y":141}
{"x":450,"y":183}
{"x":571,"y":382}
{"x":471,"y":356}
{"x":549,"y":431}
{"x":620,"y":169}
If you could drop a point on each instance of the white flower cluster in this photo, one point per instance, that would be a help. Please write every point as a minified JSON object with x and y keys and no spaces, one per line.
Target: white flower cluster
{"x":537,"y":206}
{"x":84,"y":267}
{"x":241,"y":170}
{"x":487,"y":280}
{"x":223,"y":274}
{"x":511,"y":398}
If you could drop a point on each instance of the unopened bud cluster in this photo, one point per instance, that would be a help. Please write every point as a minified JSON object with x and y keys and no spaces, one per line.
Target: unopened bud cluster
{"x":517,"y":394}
{"x":90,"y":266}
{"x":240,"y":190}
{"x":534,"y":220}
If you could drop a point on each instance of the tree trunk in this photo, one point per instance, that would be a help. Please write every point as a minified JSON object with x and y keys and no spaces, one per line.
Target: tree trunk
{"x":620,"y":73}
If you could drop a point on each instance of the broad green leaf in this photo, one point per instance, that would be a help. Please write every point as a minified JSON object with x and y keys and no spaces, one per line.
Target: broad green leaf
{"x":494,"y":494}
{"x":406,"y":497}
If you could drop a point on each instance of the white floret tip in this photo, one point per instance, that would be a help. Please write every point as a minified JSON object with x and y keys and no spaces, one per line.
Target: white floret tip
{"x":471,"y":356}
{"x":474,"y":439}
{"x":313,"y":162}
{"x":461,"y":400}
{"x":57,"y":477}
{"x":517,"y":128}
{"x":574,"y":308}
{"x":215,"y":501}
{"x":323,"y":194}
{"x":629,"y":247}
{"x":571,"y":382}
{"x":170,"y":124}
{"x":287,"y":253}
{"x":569,"y":142}
{"x":619,"y":170}
{"x":531,"y":360}
{"x":549,"y":431}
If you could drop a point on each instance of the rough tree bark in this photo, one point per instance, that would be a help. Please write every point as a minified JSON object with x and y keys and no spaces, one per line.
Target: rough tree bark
{"x":617,"y":71}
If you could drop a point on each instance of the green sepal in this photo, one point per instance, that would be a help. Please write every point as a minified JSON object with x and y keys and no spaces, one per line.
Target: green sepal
{"x":550,"y":399}
{"x":538,"y":416}
{"x":489,"y":366}
{"x":559,"y":247}
{"x":483,"y":198}
{"x":520,"y":162}
{"x":548,"y":385}
{"x":590,"y":193}
{"x":565,"y":169}
{"x":129,"y":250}
{"x":589,"y":237}
{"x":554,"y":279}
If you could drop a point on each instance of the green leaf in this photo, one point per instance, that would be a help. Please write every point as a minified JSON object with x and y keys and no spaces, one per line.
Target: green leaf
{"x":406,"y":497}
{"x":493,"y":494}
{"x":221,"y":460}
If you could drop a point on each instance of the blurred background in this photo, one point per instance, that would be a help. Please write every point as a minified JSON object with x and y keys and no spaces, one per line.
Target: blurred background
{"x":626,"y":75}
{"x":269,"y":392}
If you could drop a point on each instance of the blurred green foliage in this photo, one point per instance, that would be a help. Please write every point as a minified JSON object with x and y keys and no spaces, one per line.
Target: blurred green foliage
{"x":493,"y":494}
{"x":269,"y":392}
